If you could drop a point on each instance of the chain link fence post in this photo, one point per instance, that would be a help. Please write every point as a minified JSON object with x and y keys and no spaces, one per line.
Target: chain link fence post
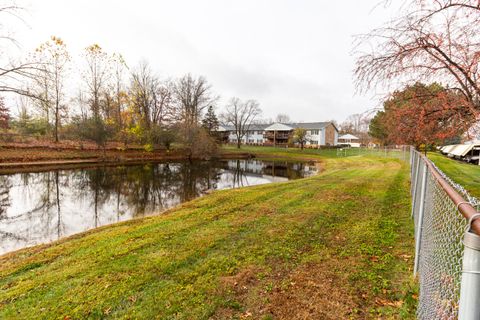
{"x":421,"y":210}
{"x":469,"y":308}
{"x":415,"y":173}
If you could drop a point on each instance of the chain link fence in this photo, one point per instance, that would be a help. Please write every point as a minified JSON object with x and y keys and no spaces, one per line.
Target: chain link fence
{"x":400,"y":152}
{"x":439,"y":232}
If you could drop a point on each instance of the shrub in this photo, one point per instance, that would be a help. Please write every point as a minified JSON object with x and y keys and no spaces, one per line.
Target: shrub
{"x":148,"y":147}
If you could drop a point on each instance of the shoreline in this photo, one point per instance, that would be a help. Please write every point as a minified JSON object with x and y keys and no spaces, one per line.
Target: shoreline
{"x":86,"y":159}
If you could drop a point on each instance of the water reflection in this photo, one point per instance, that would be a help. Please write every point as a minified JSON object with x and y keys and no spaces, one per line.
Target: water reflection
{"x":45,"y":206}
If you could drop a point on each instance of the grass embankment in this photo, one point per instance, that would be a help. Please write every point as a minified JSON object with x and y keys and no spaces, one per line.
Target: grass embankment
{"x":337,"y":245}
{"x":13,"y":160}
{"x":51,"y":154}
{"x":465,"y":174}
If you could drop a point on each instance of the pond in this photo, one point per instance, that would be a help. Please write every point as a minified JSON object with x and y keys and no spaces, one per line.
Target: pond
{"x":42,"y":207}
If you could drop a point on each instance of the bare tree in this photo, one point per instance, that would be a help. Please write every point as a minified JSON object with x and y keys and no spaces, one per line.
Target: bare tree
{"x":96,"y":76}
{"x":241,"y":115}
{"x":192,"y":96}
{"x":140,"y":92}
{"x":150,"y":97}
{"x":356,"y":123}
{"x":40,"y":88}
{"x":80,"y":101}
{"x":162,"y":102}
{"x":119,"y":90}
{"x":282,"y":118}
{"x":50,"y":79}
{"x":433,"y":41}
{"x":13,"y":73}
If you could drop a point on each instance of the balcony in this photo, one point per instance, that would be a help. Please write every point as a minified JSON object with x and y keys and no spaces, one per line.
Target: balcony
{"x":277,"y":135}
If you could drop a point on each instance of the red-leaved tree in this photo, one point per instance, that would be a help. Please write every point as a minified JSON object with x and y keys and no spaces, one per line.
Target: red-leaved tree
{"x":423,"y":114}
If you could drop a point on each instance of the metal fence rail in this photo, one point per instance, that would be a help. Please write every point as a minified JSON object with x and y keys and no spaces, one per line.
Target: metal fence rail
{"x":447,"y":249}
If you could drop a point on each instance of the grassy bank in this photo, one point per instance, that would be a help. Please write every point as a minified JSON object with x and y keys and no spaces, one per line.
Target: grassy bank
{"x":13,"y":160}
{"x":337,"y":245}
{"x":51,"y":154}
{"x":467,"y":175}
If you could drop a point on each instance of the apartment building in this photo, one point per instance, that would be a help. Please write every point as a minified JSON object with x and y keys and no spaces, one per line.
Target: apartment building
{"x":280,"y":134}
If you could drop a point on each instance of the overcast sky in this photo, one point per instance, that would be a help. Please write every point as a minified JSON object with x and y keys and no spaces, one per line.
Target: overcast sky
{"x":294,"y":57}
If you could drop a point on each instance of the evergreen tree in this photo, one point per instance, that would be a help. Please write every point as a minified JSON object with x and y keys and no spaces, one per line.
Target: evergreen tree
{"x":377,"y":129}
{"x":210,"y":121}
{"x":4,"y":115}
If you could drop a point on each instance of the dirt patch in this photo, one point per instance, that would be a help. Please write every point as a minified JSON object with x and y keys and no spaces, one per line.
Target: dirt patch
{"x":311,"y":291}
{"x":238,"y":287}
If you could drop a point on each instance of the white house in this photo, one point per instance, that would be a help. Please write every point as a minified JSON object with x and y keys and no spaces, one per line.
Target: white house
{"x":350,"y":140}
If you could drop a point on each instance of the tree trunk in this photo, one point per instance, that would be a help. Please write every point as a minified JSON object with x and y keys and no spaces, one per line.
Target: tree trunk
{"x":56,"y":123}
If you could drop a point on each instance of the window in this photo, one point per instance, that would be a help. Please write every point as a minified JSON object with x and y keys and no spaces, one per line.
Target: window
{"x":315,"y":132}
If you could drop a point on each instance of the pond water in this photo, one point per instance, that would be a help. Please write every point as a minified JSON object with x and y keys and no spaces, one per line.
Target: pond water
{"x":45,"y":206}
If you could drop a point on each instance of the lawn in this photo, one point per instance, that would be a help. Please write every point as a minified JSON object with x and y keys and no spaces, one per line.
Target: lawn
{"x":313,"y":154}
{"x":465,"y":174}
{"x":294,"y":153}
{"x":335,"y":246}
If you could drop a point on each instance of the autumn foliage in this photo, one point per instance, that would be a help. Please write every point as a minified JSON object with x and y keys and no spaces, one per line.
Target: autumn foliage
{"x":429,"y":41}
{"x":421,"y":114}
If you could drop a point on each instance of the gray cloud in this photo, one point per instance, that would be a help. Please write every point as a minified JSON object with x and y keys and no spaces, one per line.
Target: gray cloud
{"x":292,"y":56}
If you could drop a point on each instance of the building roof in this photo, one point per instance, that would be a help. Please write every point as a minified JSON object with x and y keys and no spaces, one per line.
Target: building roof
{"x":222,"y":129}
{"x":253,"y":127}
{"x":279,"y":127}
{"x":310,"y":125}
{"x":258,"y":127}
{"x":447,"y":149}
{"x":348,"y":136}
{"x":460,"y":150}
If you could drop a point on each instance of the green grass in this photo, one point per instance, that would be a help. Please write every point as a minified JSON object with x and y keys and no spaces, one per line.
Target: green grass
{"x":465,"y":174}
{"x":313,"y":154}
{"x":294,"y":153}
{"x":350,"y":224}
